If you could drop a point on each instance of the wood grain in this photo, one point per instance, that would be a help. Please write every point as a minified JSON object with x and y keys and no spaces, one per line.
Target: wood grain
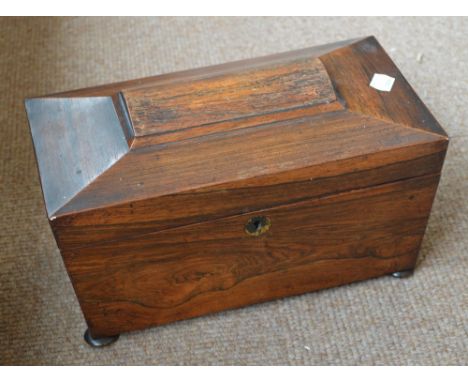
{"x":75,"y":140}
{"x":208,"y":71}
{"x":362,"y":60}
{"x":243,"y":154}
{"x":344,"y":176}
{"x":271,"y":89}
{"x":148,"y":215}
{"x":214,"y":265}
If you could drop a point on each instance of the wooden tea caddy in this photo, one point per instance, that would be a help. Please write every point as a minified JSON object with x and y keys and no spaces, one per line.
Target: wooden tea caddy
{"x":184,"y":194}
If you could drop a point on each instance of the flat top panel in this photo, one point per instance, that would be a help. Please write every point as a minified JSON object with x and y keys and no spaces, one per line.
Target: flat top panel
{"x":76,"y":140}
{"x":163,"y":109}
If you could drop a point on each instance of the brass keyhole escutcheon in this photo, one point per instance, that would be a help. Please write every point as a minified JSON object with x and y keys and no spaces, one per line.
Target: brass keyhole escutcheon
{"x":257,"y":225}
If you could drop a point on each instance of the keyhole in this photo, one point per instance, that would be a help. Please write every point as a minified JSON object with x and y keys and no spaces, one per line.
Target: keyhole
{"x":257,"y":225}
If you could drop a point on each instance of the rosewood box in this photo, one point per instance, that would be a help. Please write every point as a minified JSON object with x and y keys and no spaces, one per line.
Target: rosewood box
{"x":179,"y":195}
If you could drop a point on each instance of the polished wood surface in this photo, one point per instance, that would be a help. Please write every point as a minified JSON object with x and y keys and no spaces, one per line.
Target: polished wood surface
{"x":214,"y":265}
{"x":185,"y":207}
{"x":401,"y":105}
{"x":344,"y":174}
{"x":169,"y":108}
{"x":76,"y":140}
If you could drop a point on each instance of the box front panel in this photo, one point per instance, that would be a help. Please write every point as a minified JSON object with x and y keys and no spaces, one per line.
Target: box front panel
{"x":226,"y":263}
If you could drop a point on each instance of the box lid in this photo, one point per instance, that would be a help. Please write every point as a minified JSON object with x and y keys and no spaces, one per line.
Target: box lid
{"x":302,"y":116}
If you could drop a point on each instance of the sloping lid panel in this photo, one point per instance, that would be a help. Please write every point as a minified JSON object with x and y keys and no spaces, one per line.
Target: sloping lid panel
{"x":76,"y":140}
{"x":244,"y":155}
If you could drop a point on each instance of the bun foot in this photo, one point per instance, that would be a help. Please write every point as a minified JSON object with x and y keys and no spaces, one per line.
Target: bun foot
{"x":99,"y":342}
{"x":403,"y":274}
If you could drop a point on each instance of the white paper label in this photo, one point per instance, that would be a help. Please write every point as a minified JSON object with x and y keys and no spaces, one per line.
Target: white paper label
{"x":382,"y":82}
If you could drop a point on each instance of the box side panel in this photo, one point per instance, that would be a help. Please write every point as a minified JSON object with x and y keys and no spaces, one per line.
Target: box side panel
{"x":212,"y":266}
